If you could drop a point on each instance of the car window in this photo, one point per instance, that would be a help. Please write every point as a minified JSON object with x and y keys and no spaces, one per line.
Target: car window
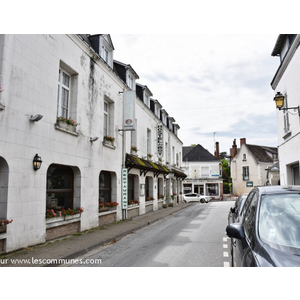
{"x":241,"y":203}
{"x":279,"y":221}
{"x":249,"y":218}
{"x":247,"y":201}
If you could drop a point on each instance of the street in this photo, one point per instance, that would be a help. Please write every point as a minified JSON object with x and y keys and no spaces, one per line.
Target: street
{"x":194,"y":237}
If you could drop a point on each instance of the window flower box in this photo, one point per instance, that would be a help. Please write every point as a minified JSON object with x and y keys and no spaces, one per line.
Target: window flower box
{"x":63,"y":214}
{"x":3,"y":225}
{"x":67,"y":125}
{"x":134,"y":150}
{"x":149,"y":199}
{"x":108,"y":206}
{"x":54,"y":220}
{"x":109,"y":141}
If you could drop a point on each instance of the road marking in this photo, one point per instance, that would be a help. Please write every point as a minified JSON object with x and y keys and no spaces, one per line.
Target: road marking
{"x":225,"y":246}
{"x":225,"y":254}
{"x":226,"y":264}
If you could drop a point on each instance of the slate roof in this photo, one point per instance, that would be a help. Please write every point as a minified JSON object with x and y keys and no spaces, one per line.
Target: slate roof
{"x":260,"y":154}
{"x":280,"y":43}
{"x":197,"y":154}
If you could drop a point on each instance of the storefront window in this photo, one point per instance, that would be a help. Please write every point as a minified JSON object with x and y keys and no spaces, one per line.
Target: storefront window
{"x":104,"y":187}
{"x":212,"y":189}
{"x":59,"y":187}
{"x":131,"y":187}
{"x":198,"y":189}
{"x":187,"y":188}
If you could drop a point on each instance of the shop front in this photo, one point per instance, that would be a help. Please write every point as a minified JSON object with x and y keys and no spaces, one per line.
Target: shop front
{"x":212,"y":188}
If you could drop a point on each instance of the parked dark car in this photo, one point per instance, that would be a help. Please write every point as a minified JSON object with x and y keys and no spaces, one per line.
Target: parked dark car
{"x":269,"y":232}
{"x":235,"y":211}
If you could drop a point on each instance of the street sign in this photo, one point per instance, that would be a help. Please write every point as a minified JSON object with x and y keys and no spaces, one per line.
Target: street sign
{"x":129,"y":110}
{"x":160,"y":141}
{"x":124,"y":188}
{"x":249,"y":184}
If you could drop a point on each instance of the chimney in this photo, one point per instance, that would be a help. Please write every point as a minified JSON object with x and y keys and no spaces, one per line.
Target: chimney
{"x":242,"y":142}
{"x":234,"y":149}
{"x":217,"y":152}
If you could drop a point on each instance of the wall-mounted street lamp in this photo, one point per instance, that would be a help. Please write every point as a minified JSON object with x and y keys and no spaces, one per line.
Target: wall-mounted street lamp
{"x":37,"y":162}
{"x":35,"y":118}
{"x":279,"y":100}
{"x":93,"y":139}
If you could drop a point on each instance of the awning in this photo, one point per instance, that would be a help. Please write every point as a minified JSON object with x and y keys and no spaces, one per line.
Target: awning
{"x":178,"y":173}
{"x":145,"y":166}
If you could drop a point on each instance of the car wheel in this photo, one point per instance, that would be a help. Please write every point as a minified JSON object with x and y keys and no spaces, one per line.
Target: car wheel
{"x":201,"y":200}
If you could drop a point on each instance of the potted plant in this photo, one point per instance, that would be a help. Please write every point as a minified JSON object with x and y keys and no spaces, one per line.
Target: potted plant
{"x":3,"y":224}
{"x":108,"y":140}
{"x":133,"y":202}
{"x":149,"y":198}
{"x":67,"y":124}
{"x":51,"y":213}
{"x":134,"y":149}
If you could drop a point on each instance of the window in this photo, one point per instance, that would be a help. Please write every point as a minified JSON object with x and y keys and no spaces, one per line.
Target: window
{"x":212,"y":189}
{"x":295,"y":174}
{"x":104,"y":54}
{"x":148,"y":141}
{"x":59,"y":187}
{"x":104,"y":187}
{"x":244,"y":157}
{"x":130,"y":187}
{"x":133,"y":136}
{"x":204,"y":171}
{"x":246,"y":173}
{"x":105,"y":118}
{"x":250,"y":217}
{"x":108,"y":117}
{"x":247,"y":201}
{"x":63,"y":95}
{"x":130,"y":81}
{"x":286,"y":125}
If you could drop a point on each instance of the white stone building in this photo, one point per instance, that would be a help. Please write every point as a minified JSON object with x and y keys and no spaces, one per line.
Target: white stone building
{"x":287,"y":82}
{"x":71,"y":77}
{"x":204,"y":172}
{"x":252,"y":165}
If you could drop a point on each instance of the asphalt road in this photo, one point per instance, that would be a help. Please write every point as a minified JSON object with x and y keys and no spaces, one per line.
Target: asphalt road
{"x":194,"y":237}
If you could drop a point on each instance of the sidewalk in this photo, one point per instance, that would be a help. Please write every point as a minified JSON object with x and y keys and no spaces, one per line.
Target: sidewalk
{"x":70,"y":247}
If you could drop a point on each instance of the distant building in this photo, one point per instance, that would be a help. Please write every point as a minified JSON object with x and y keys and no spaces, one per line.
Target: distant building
{"x":204,"y":172}
{"x":287,"y":81}
{"x":252,"y":165}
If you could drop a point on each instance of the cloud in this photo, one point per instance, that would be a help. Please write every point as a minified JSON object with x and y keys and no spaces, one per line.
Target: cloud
{"x":208,"y":83}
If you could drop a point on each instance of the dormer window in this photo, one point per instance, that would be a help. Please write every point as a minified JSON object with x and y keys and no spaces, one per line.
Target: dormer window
{"x":104,"y":54}
{"x":147,"y":100}
{"x":130,"y":81}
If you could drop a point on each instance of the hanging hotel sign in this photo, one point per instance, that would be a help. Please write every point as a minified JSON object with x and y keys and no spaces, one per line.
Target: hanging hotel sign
{"x":124,"y":188}
{"x":129,"y":110}
{"x":160,"y":140}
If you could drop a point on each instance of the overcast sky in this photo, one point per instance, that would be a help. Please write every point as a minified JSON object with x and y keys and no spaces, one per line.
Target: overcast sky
{"x":216,"y":87}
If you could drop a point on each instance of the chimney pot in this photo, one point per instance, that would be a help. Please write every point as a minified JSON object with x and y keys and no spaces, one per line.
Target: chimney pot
{"x":242,"y":141}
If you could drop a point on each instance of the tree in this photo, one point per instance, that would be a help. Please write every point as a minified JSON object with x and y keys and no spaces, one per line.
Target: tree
{"x":227,"y":183}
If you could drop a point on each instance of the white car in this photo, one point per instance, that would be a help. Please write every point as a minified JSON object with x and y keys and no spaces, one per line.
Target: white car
{"x":194,"y":197}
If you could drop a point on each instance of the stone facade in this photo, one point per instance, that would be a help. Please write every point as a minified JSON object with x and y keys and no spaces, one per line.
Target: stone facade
{"x":67,"y":76}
